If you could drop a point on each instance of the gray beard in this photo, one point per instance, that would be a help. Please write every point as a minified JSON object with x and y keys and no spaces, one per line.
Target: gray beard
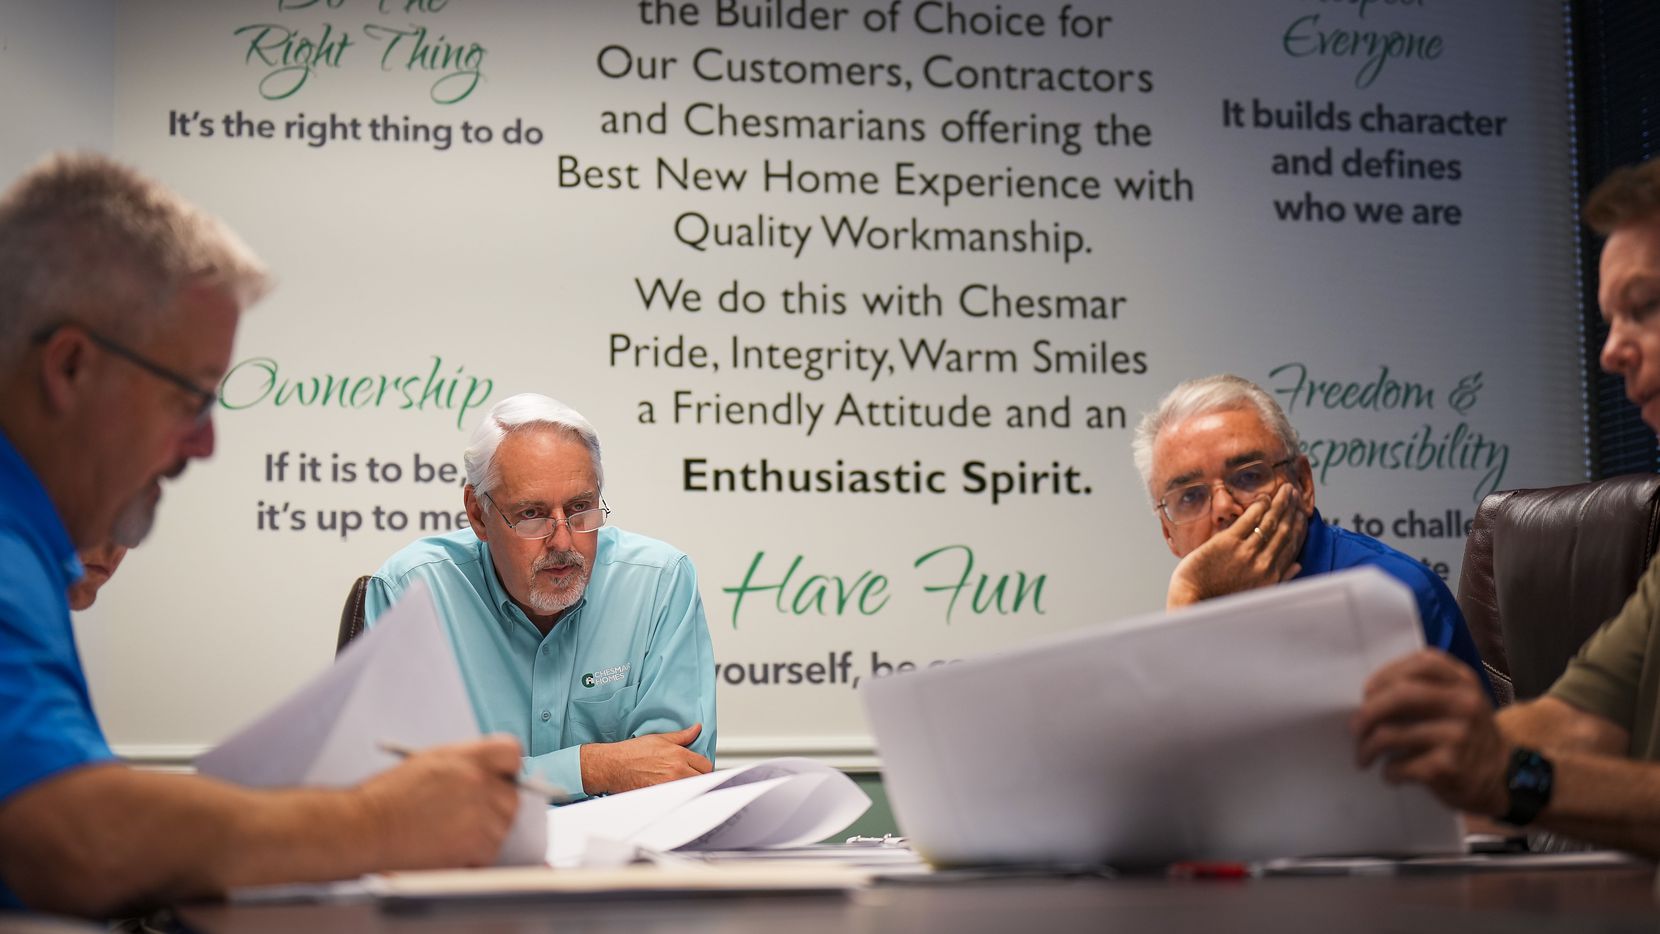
{"x":134,"y":522}
{"x":548,"y":600}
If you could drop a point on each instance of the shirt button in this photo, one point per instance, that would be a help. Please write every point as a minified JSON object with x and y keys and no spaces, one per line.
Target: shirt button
{"x":544,"y":650}
{"x":546,"y":716}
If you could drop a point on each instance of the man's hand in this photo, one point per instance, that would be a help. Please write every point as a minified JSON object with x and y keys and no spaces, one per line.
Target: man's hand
{"x":446,"y":806}
{"x":651,"y":759}
{"x":1241,"y":558}
{"x":1427,"y":716}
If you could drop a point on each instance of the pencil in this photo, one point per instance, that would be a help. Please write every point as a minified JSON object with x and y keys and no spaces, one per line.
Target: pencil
{"x":553,"y":794}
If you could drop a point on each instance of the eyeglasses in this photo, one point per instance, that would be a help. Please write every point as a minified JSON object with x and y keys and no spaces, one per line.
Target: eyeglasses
{"x":205,"y":399}
{"x":1244,"y":483}
{"x":588,"y":520}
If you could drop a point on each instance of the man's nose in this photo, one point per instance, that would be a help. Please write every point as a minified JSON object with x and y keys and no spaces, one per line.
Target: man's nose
{"x":1224,"y":508}
{"x":562,"y":539}
{"x":200,"y":441}
{"x":1616,"y":352}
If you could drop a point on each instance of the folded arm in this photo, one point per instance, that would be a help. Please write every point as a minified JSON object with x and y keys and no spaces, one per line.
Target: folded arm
{"x":672,"y":724}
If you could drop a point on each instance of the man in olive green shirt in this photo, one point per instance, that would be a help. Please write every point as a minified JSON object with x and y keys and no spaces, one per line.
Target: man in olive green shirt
{"x":1580,"y":761}
{"x":1617,"y":674}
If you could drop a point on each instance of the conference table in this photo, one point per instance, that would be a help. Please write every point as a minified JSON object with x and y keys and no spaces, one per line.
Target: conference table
{"x":1610,"y":899}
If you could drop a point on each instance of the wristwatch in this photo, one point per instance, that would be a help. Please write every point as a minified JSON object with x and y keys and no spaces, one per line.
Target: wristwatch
{"x":1528,"y":779}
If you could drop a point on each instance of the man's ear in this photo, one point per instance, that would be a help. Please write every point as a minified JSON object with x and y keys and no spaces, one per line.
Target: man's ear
{"x":64,"y":373}
{"x":1304,"y":474}
{"x":475,"y":513}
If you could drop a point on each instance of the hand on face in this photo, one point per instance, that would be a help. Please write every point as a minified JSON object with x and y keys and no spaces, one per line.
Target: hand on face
{"x":1259,"y":549}
{"x":651,"y":759}
{"x":1427,"y":717}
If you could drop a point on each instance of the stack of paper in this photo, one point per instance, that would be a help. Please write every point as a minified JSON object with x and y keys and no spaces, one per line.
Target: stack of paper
{"x":775,"y":803}
{"x":398,"y":682}
{"x":1217,"y":732}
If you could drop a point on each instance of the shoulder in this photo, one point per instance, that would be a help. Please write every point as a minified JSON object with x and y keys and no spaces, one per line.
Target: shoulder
{"x":1643,"y":605}
{"x":1353,"y":549}
{"x":15,"y":546}
{"x":31,"y":584}
{"x":437,"y":555}
{"x":1435,"y":601}
{"x":631,"y":549}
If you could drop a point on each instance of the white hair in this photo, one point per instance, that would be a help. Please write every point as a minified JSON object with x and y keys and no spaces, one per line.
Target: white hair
{"x":1220,"y":393}
{"x":525,"y":410}
{"x":88,"y":240}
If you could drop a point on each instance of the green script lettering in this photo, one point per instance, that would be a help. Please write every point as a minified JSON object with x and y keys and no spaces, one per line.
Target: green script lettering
{"x":260,"y":380}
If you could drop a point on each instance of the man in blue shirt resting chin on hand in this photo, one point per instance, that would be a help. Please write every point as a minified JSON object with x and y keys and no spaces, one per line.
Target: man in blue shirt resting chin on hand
{"x":1235,"y":499}
{"x":586,"y":642}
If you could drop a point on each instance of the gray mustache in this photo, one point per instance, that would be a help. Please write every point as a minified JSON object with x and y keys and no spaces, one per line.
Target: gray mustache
{"x":555,"y":558}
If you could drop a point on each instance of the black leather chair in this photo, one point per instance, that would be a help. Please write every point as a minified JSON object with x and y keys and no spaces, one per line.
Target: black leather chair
{"x":1544,"y":568}
{"x":351,"y":615}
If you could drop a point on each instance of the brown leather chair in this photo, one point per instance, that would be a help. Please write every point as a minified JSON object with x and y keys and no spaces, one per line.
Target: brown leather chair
{"x":1544,"y":568}
{"x":351,"y":615}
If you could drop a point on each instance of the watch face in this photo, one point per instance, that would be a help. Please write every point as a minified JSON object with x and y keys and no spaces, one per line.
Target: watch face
{"x":1528,"y":779}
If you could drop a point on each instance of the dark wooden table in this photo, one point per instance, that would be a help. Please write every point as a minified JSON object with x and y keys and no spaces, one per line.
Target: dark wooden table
{"x":1568,"y":900}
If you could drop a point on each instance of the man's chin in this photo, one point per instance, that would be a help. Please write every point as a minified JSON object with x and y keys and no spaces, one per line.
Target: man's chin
{"x":136,"y":519}
{"x":550,"y":600}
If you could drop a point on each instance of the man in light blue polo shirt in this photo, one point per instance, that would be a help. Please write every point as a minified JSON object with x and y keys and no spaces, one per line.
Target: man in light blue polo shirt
{"x":1234,"y":497}
{"x":586,"y":642}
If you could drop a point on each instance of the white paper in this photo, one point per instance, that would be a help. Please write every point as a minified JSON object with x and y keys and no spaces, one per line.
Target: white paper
{"x":1220,"y":731}
{"x":774,"y":803}
{"x":709,"y":814}
{"x":398,"y":682}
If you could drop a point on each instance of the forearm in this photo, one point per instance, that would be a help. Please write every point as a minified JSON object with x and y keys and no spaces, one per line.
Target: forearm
{"x":304,"y":835}
{"x":1180,"y":593}
{"x":1605,"y":800}
{"x":1597,"y":794}
{"x":1556,"y":727}
{"x":96,"y":840}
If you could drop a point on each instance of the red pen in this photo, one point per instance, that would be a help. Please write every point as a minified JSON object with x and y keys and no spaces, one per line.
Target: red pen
{"x":1209,"y":869}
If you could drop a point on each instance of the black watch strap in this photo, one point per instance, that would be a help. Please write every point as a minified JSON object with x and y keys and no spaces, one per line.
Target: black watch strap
{"x":1528,"y":779}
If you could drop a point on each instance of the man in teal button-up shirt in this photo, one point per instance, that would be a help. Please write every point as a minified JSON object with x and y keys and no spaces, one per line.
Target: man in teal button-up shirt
{"x":586,"y":642}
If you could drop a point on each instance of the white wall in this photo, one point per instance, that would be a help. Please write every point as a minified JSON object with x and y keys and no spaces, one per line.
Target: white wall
{"x":393,"y":255}
{"x":57,"y":74}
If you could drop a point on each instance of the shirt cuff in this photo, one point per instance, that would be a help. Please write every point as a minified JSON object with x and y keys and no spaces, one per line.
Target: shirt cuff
{"x":561,"y":768}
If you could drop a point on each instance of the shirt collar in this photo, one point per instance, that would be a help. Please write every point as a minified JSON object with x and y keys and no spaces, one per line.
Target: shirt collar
{"x":24,"y":495}
{"x":1317,"y":547}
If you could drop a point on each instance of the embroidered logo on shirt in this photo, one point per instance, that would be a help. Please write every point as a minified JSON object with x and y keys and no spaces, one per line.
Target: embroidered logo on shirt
{"x":605,"y":676}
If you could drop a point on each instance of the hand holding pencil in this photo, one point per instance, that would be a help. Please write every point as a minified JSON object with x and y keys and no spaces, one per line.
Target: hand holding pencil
{"x":553,"y":794}
{"x":445,"y":806}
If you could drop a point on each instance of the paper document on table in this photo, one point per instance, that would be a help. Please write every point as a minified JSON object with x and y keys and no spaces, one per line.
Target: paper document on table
{"x":1219,"y":731}
{"x":777,"y":802}
{"x":399,"y":682}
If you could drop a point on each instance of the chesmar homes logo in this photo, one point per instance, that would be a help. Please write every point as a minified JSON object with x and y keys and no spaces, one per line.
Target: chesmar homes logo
{"x":605,"y":676}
